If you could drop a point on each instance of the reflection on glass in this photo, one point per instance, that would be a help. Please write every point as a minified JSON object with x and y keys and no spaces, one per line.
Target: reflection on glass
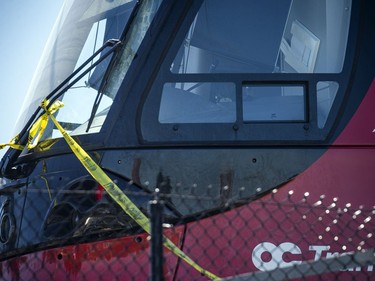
{"x":326,"y":93}
{"x":198,"y":103}
{"x":81,"y":29}
{"x":273,"y":103}
{"x":304,"y":36}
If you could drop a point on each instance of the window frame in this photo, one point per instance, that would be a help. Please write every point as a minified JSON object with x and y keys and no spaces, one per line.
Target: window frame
{"x":280,"y":85}
{"x":263,"y":133}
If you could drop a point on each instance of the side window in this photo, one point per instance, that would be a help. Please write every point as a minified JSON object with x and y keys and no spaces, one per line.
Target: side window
{"x":273,"y":103}
{"x":325,"y":94}
{"x":198,"y":103}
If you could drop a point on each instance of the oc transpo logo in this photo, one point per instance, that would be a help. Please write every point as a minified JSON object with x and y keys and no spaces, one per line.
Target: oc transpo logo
{"x":268,"y":256}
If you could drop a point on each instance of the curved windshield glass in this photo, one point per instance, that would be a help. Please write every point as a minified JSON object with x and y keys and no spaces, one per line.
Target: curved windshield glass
{"x":300,"y":36}
{"x":82,"y":30}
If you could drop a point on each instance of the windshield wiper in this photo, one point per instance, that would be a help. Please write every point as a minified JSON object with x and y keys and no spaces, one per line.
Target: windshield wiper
{"x":99,"y":95}
{"x":12,"y":155}
{"x":113,"y":43}
{"x":108,"y":71}
{"x":60,"y":89}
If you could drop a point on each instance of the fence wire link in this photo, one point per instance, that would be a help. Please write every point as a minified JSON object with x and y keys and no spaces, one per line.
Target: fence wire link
{"x":81,"y":234}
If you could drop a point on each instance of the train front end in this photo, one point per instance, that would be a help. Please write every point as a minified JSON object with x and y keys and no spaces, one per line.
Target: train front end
{"x":250,"y":122}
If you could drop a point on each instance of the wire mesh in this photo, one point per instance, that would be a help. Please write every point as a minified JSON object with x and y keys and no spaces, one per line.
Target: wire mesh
{"x":81,"y":234}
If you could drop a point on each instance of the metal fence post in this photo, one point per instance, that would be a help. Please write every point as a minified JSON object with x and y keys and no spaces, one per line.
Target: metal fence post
{"x":156,"y":223}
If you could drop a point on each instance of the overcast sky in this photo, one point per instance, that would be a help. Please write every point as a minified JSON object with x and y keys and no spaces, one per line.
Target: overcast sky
{"x":24,"y":29}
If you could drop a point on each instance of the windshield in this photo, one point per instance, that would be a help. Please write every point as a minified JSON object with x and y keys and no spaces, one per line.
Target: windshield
{"x":81,"y":30}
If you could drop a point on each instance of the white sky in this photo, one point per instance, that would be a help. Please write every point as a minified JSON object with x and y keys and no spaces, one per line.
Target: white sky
{"x":24,"y":29}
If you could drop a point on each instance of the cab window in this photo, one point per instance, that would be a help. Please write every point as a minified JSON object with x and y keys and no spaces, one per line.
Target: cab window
{"x":257,"y":69}
{"x":198,"y":103}
{"x":273,"y":103}
{"x":304,"y":36}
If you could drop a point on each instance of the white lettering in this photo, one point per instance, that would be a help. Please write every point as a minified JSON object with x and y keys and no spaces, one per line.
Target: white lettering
{"x":318,"y":251}
{"x":267,"y":256}
{"x":276,"y":253}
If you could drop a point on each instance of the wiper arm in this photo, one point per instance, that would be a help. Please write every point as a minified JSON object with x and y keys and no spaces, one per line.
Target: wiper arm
{"x":113,"y":43}
{"x":94,"y":109}
{"x":55,"y":94}
{"x":109,"y":68}
{"x":99,"y":95}
{"x":12,"y":155}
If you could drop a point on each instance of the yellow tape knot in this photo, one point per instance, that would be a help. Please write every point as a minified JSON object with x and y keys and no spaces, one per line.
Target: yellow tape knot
{"x":37,"y":130}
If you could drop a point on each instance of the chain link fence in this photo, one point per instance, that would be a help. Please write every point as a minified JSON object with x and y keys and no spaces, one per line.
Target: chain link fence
{"x":82,"y":234}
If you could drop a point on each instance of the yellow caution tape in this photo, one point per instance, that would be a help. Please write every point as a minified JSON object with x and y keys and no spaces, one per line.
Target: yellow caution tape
{"x":12,"y":144}
{"x":37,"y":130}
{"x":112,"y":189}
